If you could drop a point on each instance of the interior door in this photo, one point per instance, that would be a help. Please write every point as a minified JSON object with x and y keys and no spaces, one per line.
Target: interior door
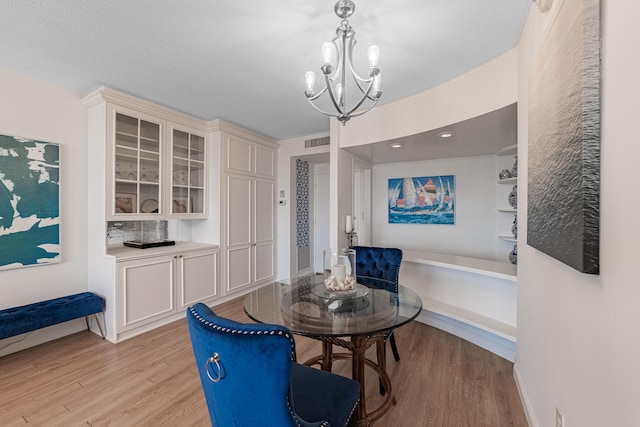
{"x":362,"y":203}
{"x":264,"y":233}
{"x":238,"y":231}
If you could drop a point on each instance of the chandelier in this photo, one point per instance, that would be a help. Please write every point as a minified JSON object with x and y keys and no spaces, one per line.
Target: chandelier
{"x":337,"y":56}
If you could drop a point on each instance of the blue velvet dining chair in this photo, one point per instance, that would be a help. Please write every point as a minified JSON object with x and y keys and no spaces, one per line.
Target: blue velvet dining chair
{"x":380,"y":263}
{"x":250,"y":378}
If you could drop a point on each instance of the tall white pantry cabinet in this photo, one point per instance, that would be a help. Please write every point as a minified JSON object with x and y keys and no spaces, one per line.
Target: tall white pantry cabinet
{"x":146,"y":162}
{"x":248,"y":202}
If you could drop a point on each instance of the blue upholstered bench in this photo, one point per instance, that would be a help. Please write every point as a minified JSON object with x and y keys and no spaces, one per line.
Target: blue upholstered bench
{"x":27,"y":318}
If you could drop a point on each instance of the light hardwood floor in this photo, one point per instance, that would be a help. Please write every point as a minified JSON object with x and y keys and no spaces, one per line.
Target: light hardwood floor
{"x":151,"y":380}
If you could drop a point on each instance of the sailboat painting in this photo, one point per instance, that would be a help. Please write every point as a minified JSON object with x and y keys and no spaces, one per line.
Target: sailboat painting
{"x":422,"y":200}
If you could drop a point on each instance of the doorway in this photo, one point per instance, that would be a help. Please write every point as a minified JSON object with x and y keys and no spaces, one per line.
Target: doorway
{"x":320,"y":214}
{"x":309,"y":214}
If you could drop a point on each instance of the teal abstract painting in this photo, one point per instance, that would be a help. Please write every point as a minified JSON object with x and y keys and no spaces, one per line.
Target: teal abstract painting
{"x":29,"y":202}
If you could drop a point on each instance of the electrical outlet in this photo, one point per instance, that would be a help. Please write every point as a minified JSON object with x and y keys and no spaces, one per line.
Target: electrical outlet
{"x":559,"y":418}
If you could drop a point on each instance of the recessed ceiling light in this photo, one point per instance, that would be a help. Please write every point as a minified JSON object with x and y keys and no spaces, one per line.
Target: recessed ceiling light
{"x":396,"y":145}
{"x":445,"y":134}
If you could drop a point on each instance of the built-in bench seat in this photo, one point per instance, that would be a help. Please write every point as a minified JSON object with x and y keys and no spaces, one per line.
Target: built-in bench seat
{"x":27,"y":318}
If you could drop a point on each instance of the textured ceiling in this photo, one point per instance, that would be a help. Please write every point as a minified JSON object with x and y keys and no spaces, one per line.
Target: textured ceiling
{"x":244,"y":61}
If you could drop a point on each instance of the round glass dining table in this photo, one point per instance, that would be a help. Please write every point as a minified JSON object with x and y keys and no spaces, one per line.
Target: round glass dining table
{"x":354,"y":321}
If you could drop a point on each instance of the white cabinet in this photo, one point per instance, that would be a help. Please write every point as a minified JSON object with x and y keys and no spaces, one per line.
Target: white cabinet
{"x":250,"y":231}
{"x":188,"y":173}
{"x":145,"y":291}
{"x":249,"y":220}
{"x":196,"y":276}
{"x":247,"y":157}
{"x":135,"y":172}
{"x":151,"y":290}
{"x":153,"y":160}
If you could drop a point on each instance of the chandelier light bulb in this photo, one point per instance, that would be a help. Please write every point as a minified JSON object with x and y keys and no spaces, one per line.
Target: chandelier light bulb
{"x":373,"y":54}
{"x":339,"y":93}
{"x":310,"y":80}
{"x":328,"y":52}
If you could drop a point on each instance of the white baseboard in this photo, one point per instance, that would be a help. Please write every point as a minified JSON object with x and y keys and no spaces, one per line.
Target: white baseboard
{"x":524,"y":398}
{"x":490,"y":342}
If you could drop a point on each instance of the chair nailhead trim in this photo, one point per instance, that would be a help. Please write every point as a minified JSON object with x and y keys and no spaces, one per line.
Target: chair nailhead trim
{"x":241,"y":331}
{"x":295,"y":417}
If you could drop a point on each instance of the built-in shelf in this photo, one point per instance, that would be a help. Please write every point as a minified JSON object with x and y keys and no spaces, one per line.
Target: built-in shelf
{"x":469,"y":297}
{"x":508,"y":150}
{"x":500,"y":270}
{"x":508,"y":238}
{"x":508,"y":180}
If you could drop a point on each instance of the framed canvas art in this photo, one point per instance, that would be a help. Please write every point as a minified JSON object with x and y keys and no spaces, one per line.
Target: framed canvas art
{"x":563,"y":214}
{"x":29,"y":202}
{"x":422,"y":200}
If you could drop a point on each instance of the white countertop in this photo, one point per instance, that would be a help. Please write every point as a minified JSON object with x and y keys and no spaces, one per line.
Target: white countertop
{"x":125,"y":253}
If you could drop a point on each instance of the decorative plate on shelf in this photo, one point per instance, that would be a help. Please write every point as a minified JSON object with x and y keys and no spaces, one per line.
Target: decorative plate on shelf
{"x":149,"y":206}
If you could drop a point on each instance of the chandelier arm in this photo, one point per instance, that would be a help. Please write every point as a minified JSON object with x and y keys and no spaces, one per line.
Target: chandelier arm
{"x":365,"y":95}
{"x":331,"y":95}
{"x":318,"y":95}
{"x":368,"y":91}
{"x":366,"y":110}
{"x":368,"y":81}
{"x":353,"y":71}
{"x":346,"y":58}
{"x":356,"y":77}
{"x":338,"y":69}
{"x":320,"y":110}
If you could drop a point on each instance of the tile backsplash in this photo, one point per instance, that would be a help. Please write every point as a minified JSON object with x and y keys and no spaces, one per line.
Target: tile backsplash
{"x":119,"y":232}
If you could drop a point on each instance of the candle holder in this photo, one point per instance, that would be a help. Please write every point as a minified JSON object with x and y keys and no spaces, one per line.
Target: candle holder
{"x":352,"y":238}
{"x":340,"y":270}
{"x":350,"y":230}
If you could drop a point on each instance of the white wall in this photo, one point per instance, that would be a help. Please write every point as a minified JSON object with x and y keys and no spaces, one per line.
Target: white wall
{"x":578,"y":335}
{"x":474,"y":232}
{"x":38,"y":110}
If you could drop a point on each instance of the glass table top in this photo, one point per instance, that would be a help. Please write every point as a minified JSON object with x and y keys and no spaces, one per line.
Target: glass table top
{"x":306,"y":308}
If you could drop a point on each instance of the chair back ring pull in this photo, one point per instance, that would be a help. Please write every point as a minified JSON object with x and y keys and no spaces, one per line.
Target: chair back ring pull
{"x":215,"y":358}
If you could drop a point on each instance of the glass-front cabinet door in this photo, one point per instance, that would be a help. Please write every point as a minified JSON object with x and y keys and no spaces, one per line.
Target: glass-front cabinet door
{"x":188,"y":175}
{"x":137,"y":168}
